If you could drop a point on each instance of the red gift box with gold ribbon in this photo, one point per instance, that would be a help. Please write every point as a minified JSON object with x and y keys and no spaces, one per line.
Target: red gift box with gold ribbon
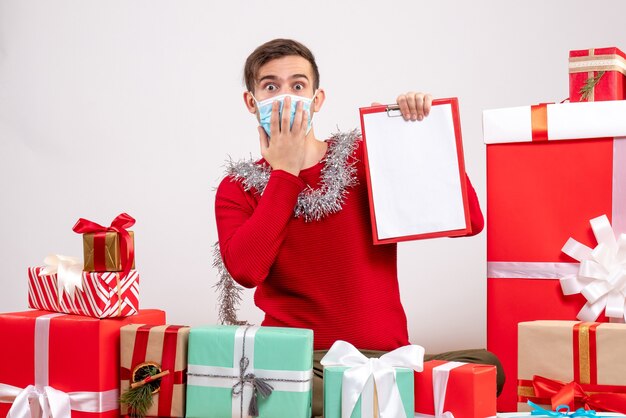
{"x":597,"y":74}
{"x":62,"y":364}
{"x":579,"y":364}
{"x":163,"y":348}
{"x":550,"y":169}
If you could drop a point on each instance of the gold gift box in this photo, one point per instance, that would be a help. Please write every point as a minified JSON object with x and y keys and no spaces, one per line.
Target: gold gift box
{"x":112,"y":257}
{"x":551,"y":349}
{"x":154,"y":354}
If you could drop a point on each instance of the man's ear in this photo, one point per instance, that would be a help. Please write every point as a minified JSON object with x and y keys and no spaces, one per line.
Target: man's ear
{"x":319,"y":100}
{"x":248,"y":98}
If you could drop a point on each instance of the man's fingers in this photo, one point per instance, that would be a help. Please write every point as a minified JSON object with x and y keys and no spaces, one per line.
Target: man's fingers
{"x":297,"y":118}
{"x":404,"y":107}
{"x":419,"y":106}
{"x":284,"y":119}
{"x":412,"y":103}
{"x":428,"y":102}
{"x":274,"y":120}
{"x":305,"y":120}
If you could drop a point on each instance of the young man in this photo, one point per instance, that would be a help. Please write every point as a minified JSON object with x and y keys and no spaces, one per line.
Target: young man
{"x":296,"y":224}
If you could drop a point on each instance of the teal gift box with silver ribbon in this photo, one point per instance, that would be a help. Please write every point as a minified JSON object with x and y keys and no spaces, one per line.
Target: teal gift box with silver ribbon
{"x":242,"y":371}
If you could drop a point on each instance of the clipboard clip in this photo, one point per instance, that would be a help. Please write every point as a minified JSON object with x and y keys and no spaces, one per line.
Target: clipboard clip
{"x":393,"y":111}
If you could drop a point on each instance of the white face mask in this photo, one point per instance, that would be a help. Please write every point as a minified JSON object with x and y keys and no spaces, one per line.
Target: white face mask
{"x":264,"y":109}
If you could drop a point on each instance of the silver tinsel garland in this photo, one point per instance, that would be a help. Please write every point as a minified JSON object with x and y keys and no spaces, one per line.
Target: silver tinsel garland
{"x":313,"y":204}
{"x":336,"y":176}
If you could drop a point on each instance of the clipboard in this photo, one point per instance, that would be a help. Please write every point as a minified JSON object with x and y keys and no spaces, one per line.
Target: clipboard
{"x":415,"y":173}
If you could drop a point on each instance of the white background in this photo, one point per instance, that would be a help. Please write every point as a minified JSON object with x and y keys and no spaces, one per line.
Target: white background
{"x":113,"y":106}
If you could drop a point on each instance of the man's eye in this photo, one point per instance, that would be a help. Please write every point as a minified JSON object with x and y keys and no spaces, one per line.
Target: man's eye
{"x":298,"y":87}
{"x":270,"y":87}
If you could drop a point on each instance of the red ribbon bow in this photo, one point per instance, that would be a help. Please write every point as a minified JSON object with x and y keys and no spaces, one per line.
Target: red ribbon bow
{"x":573,"y":395}
{"x":119,"y":225}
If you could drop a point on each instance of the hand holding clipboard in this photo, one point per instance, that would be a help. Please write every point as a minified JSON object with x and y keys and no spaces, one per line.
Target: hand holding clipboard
{"x":415,"y":173}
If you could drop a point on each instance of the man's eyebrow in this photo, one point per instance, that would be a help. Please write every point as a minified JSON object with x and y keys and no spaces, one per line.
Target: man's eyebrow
{"x":273,"y":77}
{"x":267,"y":77}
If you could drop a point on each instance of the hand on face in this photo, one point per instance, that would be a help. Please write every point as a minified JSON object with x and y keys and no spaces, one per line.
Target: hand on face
{"x":286,"y":149}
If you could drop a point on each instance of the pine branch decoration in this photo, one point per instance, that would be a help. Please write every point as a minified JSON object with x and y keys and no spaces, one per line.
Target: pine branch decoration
{"x":229,"y":293}
{"x":586,"y":90}
{"x":139,"y":399}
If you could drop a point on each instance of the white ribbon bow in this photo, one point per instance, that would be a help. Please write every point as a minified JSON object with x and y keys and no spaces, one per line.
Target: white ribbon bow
{"x":602,"y":274}
{"x":381,"y":369}
{"x":69,"y":271}
{"x":45,"y":402}
{"x":48,"y":402}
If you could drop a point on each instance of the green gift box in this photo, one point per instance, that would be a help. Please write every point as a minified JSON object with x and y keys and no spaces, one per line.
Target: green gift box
{"x":231,"y":367}
{"x":359,"y":387}
{"x":333,"y":377}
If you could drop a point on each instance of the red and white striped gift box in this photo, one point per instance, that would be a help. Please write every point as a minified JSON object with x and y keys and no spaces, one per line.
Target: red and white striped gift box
{"x":103,"y":294}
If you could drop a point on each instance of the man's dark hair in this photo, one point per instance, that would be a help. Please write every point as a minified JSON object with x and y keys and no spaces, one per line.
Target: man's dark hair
{"x":273,"y":49}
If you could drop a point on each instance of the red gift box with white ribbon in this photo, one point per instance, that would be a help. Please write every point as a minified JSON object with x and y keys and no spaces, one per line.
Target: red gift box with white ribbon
{"x":452,"y":388}
{"x":57,"y":364}
{"x":550,"y":170}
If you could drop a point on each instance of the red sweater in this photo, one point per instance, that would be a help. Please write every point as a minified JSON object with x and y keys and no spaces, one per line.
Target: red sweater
{"x":324,"y":275}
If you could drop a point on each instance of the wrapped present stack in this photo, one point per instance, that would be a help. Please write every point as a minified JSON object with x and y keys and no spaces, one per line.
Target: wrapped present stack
{"x":107,"y":286}
{"x":62,"y":359}
{"x":556,"y":180}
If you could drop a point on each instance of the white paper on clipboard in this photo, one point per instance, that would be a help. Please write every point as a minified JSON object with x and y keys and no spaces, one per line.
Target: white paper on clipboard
{"x":415,"y":174}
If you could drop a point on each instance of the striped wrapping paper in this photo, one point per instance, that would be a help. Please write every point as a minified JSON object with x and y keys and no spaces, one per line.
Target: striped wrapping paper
{"x":103,"y":294}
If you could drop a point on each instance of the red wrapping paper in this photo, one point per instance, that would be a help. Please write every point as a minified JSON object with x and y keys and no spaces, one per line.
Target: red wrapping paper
{"x":83,"y":352}
{"x":471,"y":390}
{"x":610,"y":86}
{"x":539,"y":195}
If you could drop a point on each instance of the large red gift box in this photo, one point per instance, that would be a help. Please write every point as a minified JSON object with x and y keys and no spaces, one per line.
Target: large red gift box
{"x":603,"y":68}
{"x":60,"y":360}
{"x":103,"y":295}
{"x":550,"y":170}
{"x":465,"y":390}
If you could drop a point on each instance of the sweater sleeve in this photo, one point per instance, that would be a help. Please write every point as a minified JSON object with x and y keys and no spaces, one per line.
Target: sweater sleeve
{"x":250,"y":233}
{"x":476,"y":215}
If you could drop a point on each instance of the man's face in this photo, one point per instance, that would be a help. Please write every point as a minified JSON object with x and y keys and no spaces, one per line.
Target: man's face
{"x":286,"y":75}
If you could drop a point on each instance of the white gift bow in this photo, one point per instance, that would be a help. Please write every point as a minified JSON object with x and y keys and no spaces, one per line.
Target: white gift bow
{"x":41,"y":400}
{"x":601,"y":276}
{"x":47,"y":402}
{"x":440,"y":385}
{"x":52,"y":403}
{"x":381,"y":369}
{"x":69,"y":271}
